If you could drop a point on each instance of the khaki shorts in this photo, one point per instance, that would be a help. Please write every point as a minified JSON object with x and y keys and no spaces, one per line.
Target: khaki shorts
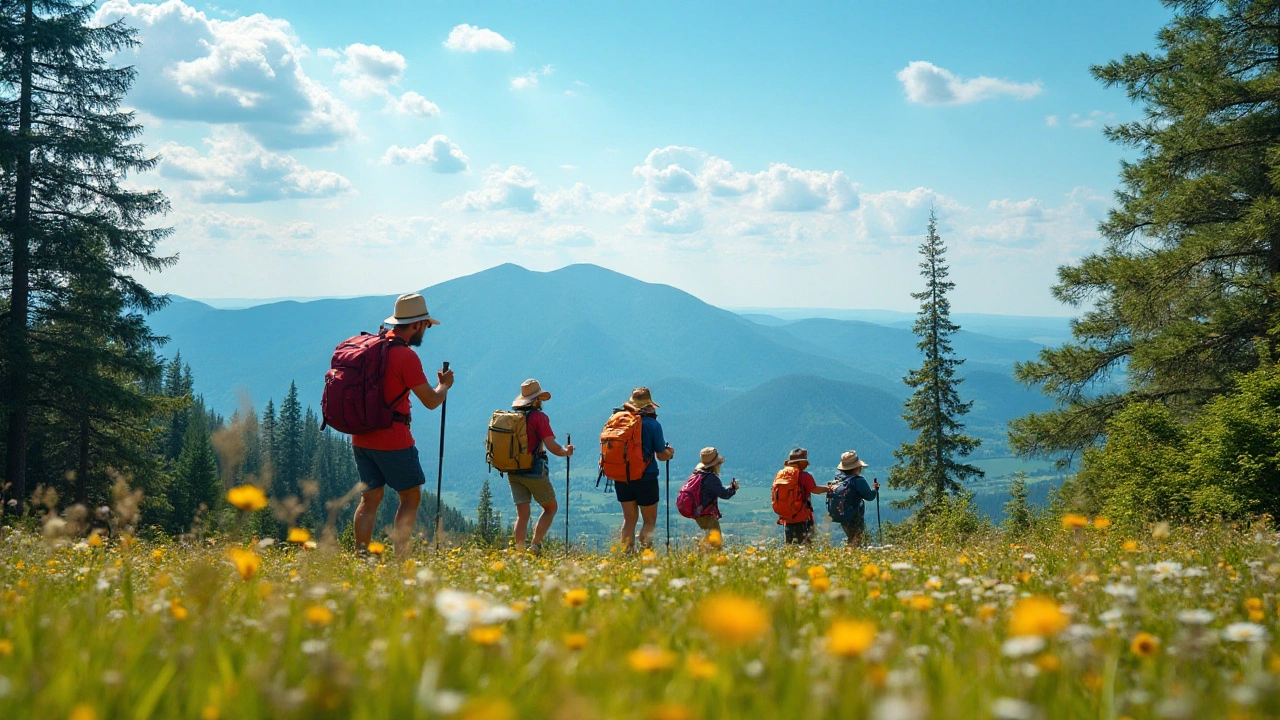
{"x":532,"y":487}
{"x":707,"y":522}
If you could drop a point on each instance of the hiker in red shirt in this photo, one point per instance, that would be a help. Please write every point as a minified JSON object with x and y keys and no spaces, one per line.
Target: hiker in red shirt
{"x":792,"y":487}
{"x":535,"y":483}
{"x":389,"y":457}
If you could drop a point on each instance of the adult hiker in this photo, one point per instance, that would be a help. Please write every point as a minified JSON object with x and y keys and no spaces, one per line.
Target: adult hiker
{"x":535,"y":483}
{"x":639,"y":496}
{"x":792,"y":487}
{"x":388,"y":456}
{"x":700,"y":496}
{"x":848,"y":497}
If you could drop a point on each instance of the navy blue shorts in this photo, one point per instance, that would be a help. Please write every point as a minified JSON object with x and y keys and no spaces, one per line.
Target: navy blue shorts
{"x":398,"y":468}
{"x":643,"y":492}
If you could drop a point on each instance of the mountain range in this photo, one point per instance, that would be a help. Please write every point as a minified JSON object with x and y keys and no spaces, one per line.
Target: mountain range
{"x":750,"y":385}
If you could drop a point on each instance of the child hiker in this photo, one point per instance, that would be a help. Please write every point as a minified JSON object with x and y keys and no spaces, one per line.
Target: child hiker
{"x":792,"y":487}
{"x":699,"y":497}
{"x":848,"y":497}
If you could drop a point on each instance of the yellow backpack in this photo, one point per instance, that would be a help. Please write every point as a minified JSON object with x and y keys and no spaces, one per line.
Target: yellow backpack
{"x":507,"y":445}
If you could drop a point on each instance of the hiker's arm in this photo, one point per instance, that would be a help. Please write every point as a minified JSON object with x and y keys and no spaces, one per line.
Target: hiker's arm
{"x":665,"y":454}
{"x":864,"y":489}
{"x":725,"y":492}
{"x":556,"y":448}
{"x":434,"y":397}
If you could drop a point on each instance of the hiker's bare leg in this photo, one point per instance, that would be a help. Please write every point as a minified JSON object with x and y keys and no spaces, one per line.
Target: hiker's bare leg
{"x":366,"y":512}
{"x":522,"y":525}
{"x":544,"y":522}
{"x":650,"y":515}
{"x":630,"y":513}
{"x":406,"y":516}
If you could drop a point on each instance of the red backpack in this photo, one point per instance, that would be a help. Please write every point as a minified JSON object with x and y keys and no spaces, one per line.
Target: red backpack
{"x":689,"y":499}
{"x":621,"y":453}
{"x":790,"y":500}
{"x":353,"y":402}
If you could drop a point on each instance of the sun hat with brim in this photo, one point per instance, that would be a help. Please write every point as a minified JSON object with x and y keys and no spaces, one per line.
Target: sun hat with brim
{"x":798,"y":455}
{"x":530,"y":392}
{"x":641,"y":398}
{"x":410,"y":308}
{"x":710,"y":459}
{"x":850,"y":461}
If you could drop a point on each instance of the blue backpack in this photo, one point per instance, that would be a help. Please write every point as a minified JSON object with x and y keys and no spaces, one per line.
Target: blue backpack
{"x":843,"y":505}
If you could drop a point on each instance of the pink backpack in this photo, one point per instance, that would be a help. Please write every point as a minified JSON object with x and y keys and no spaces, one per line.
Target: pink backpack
{"x":689,"y":499}
{"x":353,"y":401}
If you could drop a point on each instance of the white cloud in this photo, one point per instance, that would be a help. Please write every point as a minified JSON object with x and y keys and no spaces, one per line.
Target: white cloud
{"x":897,"y":214}
{"x":1051,"y":120}
{"x":411,"y":103}
{"x":439,"y":152}
{"x":671,"y":216}
{"x":237,"y":169}
{"x":928,"y":84}
{"x":469,"y":38}
{"x":1086,"y":121}
{"x":369,"y":70}
{"x":789,"y":189}
{"x":245,"y":71}
{"x":512,"y":189}
{"x":530,"y":79}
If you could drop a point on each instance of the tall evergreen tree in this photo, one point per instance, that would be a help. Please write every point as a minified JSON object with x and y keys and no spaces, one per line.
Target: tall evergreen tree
{"x":1186,"y":291}
{"x":269,"y":439}
{"x":65,"y":147}
{"x":288,"y":469}
{"x":195,"y":481}
{"x":928,"y":467}
{"x":486,"y":519}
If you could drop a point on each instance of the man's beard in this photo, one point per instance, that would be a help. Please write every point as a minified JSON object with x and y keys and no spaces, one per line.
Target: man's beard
{"x":416,"y":340}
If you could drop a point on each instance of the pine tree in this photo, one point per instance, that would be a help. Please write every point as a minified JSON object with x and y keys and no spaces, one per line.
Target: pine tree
{"x":65,"y":147}
{"x":928,"y":466}
{"x":288,"y":469}
{"x":270,"y":440}
{"x":178,"y":385}
{"x":195,"y":481}
{"x":1017,"y":513}
{"x":486,"y":521}
{"x":1186,"y":291}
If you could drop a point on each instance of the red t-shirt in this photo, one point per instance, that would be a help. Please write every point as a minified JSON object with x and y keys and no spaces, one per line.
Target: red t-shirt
{"x":404,"y":371}
{"x":807,"y":482}
{"x":539,"y":429}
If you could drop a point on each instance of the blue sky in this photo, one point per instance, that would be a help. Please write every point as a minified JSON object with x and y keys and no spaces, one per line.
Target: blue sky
{"x":779,"y":154}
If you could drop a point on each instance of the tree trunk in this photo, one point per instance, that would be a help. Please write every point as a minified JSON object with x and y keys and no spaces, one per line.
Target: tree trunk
{"x":19,"y":300}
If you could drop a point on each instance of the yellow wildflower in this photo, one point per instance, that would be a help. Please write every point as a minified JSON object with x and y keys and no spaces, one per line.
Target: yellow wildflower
{"x":178,"y":612}
{"x":1130,"y":546}
{"x":820,"y":584}
{"x":1037,"y":616}
{"x":249,"y":498}
{"x":1070,"y":521}
{"x":816,"y":571}
{"x":497,"y":565}
{"x":920,"y":602}
{"x":318,"y":615}
{"x":83,"y":711}
{"x":575,"y":641}
{"x":648,"y":556}
{"x":6,"y":647}
{"x":1101,"y":523}
{"x":850,"y":638}
{"x":247,"y":562}
{"x":870,"y":571}
{"x":700,"y":668}
{"x":1144,"y":645}
{"x":210,"y":712}
{"x":488,"y":710}
{"x":734,"y":619}
{"x":376,"y":548}
{"x":157,"y":554}
{"x":792,"y":562}
{"x":715,"y":539}
{"x":485,"y":634}
{"x":94,"y":540}
{"x":671,"y":711}
{"x":299,"y":535}
{"x":575,"y":598}
{"x":650,"y":658}
{"x":986,"y":612}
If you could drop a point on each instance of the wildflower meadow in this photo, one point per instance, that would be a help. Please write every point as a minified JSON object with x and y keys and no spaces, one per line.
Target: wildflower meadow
{"x":1078,"y":619}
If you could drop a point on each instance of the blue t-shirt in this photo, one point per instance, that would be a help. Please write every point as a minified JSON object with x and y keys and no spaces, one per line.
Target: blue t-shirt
{"x":651,"y":442}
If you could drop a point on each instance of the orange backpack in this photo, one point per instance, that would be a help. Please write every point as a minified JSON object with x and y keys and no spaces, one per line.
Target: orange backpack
{"x":621,"y":454}
{"x":790,"y":500}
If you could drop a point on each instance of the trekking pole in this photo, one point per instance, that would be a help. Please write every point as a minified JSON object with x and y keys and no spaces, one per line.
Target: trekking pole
{"x":444,"y":407}
{"x":568,"y":441}
{"x":879,"y":531}
{"x":668,"y":507}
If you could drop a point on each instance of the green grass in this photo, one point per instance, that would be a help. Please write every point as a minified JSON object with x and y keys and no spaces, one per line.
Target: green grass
{"x":174,"y":631}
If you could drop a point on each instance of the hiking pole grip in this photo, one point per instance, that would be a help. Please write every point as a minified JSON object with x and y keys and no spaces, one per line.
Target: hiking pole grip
{"x":568,"y":440}
{"x":668,"y":506}
{"x":444,"y":408}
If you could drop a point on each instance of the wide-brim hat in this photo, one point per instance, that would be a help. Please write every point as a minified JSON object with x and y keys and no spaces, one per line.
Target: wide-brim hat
{"x":530,"y":392}
{"x":710,"y":459}
{"x":410,"y":308}
{"x":798,"y":455}
{"x":850,"y":461}
{"x":642,"y":398}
